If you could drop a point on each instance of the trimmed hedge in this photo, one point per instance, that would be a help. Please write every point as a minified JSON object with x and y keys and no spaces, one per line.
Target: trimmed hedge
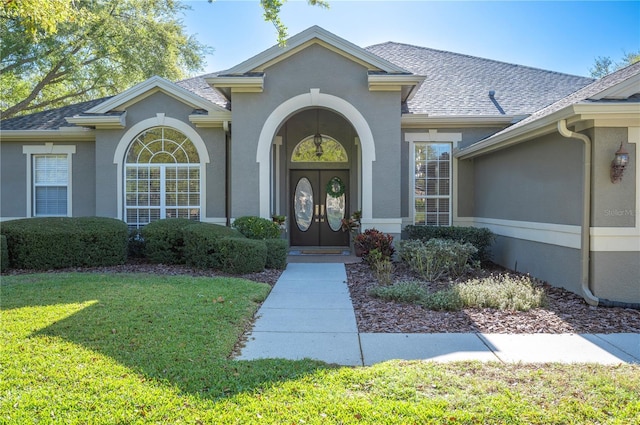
{"x":44,"y":243}
{"x":242,"y":255}
{"x":4,"y":254}
{"x":481,"y":238}
{"x":202,"y":244}
{"x":257,"y":227}
{"x":164,"y":240}
{"x":277,"y":251}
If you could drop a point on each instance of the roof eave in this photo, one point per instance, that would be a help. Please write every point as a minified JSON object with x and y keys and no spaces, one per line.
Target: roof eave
{"x":600,"y":113}
{"x":69,"y":134}
{"x":421,"y":120}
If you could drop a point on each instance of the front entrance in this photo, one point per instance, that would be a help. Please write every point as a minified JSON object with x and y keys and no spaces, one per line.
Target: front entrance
{"x":318,"y":203}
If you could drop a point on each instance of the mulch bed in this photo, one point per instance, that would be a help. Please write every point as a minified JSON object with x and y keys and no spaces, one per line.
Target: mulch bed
{"x":566,"y":312}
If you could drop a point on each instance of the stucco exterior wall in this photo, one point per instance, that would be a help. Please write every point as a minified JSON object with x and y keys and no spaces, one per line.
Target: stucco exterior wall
{"x":13,"y":174}
{"x":560,"y":266}
{"x":538,"y":181}
{"x":14,"y":178}
{"x":333,"y":74}
{"x":613,"y":204}
{"x":106,"y":187}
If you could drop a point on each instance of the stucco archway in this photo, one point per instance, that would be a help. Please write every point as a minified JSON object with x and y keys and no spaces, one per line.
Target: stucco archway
{"x":316,"y":99}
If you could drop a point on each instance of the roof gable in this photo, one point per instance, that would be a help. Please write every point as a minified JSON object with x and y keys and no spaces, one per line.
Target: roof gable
{"x":311,"y":36}
{"x":146,"y":88}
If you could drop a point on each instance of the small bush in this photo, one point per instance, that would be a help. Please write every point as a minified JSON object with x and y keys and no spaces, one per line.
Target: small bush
{"x":501,"y":292}
{"x":382,"y":266}
{"x":437,"y":257}
{"x":257,"y":227}
{"x":136,"y":244}
{"x":374,"y":239}
{"x":202,"y":244}
{"x":164,"y":240}
{"x":277,"y":251}
{"x":403,"y":292}
{"x":4,"y":254}
{"x":242,"y":255}
{"x":44,"y":243}
{"x":444,"y":300}
{"x":481,"y":238}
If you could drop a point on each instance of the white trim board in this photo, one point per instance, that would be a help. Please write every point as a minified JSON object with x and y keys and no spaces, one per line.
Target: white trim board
{"x":603,"y":239}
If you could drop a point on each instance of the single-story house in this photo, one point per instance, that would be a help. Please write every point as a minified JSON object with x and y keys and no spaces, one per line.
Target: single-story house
{"x":322,"y":128}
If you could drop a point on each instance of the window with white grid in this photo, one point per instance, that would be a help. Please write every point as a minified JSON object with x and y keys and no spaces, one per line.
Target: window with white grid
{"x":50,"y":184}
{"x":162,"y":177}
{"x":432,"y":184}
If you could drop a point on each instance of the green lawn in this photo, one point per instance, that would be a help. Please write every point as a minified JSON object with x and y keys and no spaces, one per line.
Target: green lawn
{"x":125,"y":349}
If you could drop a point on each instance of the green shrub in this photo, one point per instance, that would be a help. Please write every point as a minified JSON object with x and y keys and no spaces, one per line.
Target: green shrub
{"x":242,"y":255}
{"x":436,"y":257}
{"x":202,"y":244}
{"x":56,"y":242}
{"x":374,"y":239}
{"x":446,"y":299}
{"x":403,"y":292}
{"x":381,"y":265}
{"x":277,"y":251}
{"x":136,"y":244}
{"x":257,"y":227}
{"x":4,"y":254}
{"x":164,"y":240}
{"x":481,"y":238}
{"x":502,"y":292}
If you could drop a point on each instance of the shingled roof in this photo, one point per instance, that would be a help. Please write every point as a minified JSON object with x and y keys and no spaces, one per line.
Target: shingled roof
{"x":455,"y":85}
{"x":458,"y":85}
{"x":51,"y":119}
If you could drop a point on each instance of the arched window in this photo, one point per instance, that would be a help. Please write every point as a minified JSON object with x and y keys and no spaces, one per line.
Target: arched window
{"x":162,"y":177}
{"x":332,"y":151}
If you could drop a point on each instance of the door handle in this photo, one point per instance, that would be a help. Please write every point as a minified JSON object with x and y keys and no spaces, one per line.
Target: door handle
{"x":317,"y":214}
{"x":322,"y":213}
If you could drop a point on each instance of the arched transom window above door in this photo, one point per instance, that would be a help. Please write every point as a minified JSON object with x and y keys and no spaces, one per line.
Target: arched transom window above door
{"x":162,"y":177}
{"x":330,"y":150}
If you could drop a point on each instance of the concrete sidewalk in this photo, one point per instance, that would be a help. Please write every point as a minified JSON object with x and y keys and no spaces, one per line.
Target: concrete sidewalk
{"x":309,"y":314}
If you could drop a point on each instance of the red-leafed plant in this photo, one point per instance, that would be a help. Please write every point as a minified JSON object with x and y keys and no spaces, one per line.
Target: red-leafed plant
{"x":374,"y":239}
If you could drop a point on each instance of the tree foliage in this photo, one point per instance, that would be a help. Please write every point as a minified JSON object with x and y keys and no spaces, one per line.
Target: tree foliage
{"x":37,"y":16}
{"x":272,"y":14}
{"x":85,"y":49}
{"x":603,"y":65}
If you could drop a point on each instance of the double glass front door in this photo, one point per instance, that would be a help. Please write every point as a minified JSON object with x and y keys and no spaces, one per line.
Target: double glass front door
{"x":319,"y":200}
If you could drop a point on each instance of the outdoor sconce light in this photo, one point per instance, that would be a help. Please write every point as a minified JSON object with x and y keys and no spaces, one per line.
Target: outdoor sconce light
{"x":618,"y":164}
{"x":317,"y":138}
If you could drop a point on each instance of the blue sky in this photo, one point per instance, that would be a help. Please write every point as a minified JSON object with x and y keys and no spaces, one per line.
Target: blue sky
{"x":563,"y":36}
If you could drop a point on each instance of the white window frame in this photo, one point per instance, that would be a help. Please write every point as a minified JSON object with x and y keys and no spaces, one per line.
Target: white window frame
{"x":48,"y":149}
{"x":432,"y":136}
{"x":162,"y":168}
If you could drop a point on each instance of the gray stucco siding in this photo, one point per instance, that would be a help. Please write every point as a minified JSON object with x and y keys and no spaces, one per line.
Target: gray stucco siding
{"x":557,"y":265}
{"x":107,"y":141}
{"x":616,"y":275}
{"x":613,"y":204}
{"x":14,"y":178}
{"x":537,"y":181}
{"x":13,"y":173}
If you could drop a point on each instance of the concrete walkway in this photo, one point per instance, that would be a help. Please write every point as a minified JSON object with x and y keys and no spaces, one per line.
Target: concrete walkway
{"x":309,"y":314}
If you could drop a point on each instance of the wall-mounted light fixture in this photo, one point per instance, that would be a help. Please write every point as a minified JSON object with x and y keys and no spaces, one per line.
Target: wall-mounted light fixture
{"x":317,"y":138}
{"x":620,"y":161}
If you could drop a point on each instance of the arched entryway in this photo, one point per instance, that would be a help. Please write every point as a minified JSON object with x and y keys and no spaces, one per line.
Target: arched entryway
{"x":315,"y":100}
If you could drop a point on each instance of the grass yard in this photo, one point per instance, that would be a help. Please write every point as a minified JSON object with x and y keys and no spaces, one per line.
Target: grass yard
{"x":127,"y":349}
